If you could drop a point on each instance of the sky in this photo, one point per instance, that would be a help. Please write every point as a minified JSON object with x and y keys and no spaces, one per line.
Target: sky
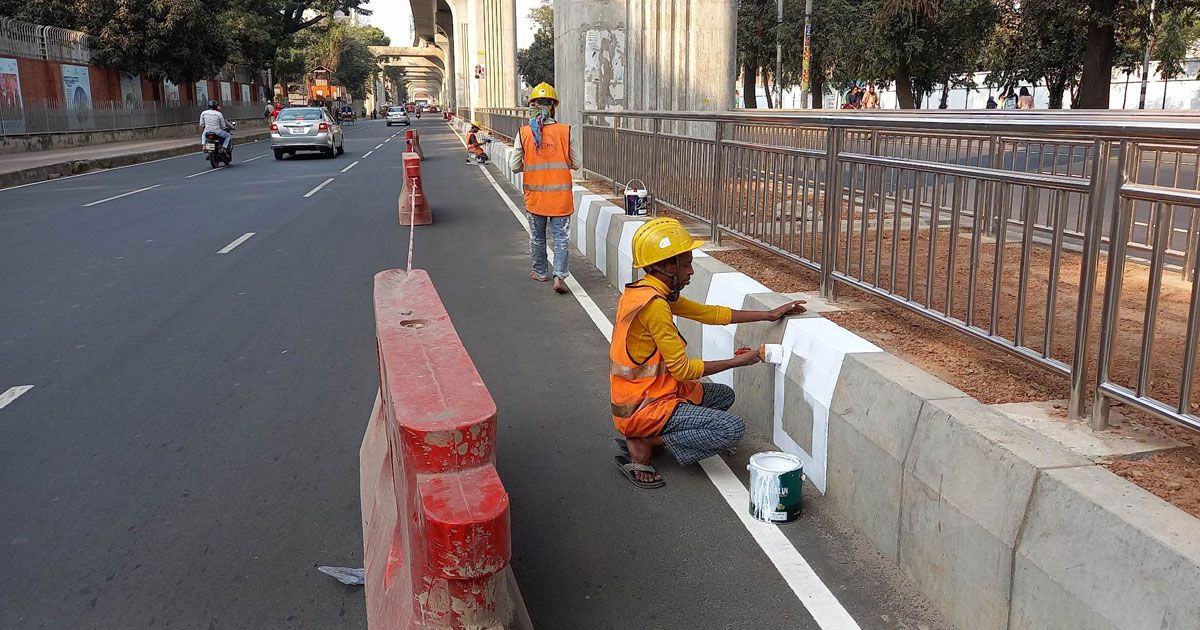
{"x":395,"y":18}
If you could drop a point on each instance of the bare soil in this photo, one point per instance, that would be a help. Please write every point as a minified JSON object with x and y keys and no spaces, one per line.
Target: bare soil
{"x":1173,"y":476}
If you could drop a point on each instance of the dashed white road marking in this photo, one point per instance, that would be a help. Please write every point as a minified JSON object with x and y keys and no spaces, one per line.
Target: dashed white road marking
{"x":389,"y":139}
{"x":368,"y":153}
{"x":256,"y":158}
{"x":319,"y":187}
{"x":211,"y":170}
{"x":132,"y":192}
{"x":378,"y":145}
{"x":352,"y":164}
{"x":241,"y":239}
{"x":816,"y":597}
{"x":13,"y":393}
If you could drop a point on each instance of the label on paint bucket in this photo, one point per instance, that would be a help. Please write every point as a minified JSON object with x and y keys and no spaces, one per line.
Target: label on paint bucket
{"x":776,"y":480}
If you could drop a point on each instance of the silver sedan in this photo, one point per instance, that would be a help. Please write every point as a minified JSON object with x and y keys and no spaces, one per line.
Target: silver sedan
{"x":306,"y":129}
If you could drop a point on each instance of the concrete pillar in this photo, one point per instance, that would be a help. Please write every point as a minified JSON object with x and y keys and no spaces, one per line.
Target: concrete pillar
{"x":644,"y":54}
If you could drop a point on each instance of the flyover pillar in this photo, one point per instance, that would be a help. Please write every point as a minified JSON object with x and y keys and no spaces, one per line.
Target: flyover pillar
{"x":644,"y":54}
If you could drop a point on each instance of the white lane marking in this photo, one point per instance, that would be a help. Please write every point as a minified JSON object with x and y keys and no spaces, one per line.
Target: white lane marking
{"x":256,"y":158}
{"x":241,"y":239}
{"x":368,"y":153}
{"x":105,"y":170}
{"x":379,"y":145}
{"x":821,"y":603}
{"x":132,"y":192}
{"x":314,"y":191}
{"x":211,"y":170}
{"x":13,"y":393}
{"x":350,"y":167}
{"x":389,"y":139}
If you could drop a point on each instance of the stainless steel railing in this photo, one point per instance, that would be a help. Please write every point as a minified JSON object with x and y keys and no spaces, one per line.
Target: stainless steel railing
{"x":502,"y":121}
{"x":994,"y":225}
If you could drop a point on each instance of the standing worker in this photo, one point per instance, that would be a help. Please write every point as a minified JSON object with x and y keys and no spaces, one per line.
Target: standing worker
{"x":657,"y":397}
{"x":545,"y":152}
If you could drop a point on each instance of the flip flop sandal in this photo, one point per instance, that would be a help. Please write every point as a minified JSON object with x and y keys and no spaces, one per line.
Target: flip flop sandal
{"x":620,"y":442}
{"x":628,"y":469}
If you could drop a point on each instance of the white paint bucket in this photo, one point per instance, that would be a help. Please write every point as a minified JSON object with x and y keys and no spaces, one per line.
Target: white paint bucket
{"x":776,"y":480}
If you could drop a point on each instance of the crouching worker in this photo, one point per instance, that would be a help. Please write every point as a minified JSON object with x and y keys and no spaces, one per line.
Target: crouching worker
{"x":474,"y":147}
{"x":657,"y":398}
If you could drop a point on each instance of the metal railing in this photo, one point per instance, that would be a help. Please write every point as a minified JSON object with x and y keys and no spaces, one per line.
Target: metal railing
{"x":502,"y":121}
{"x":43,"y":42}
{"x":53,"y":116}
{"x":996,"y":226}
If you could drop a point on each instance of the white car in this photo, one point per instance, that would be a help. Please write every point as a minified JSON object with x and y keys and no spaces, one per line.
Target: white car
{"x":397,"y":115}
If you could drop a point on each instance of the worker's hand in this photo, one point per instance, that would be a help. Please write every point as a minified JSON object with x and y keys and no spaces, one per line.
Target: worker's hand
{"x":747,"y":356}
{"x":795,"y":307}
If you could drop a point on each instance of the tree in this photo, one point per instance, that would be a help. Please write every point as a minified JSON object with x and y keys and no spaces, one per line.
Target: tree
{"x":535,"y":64}
{"x":398,"y":80}
{"x":1038,"y":42}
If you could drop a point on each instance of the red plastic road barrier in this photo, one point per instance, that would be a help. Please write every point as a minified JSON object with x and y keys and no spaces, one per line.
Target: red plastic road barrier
{"x":412,"y":190}
{"x":436,"y":537}
{"x":412,"y":142}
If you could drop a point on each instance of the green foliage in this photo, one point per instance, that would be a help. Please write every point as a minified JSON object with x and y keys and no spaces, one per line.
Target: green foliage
{"x":180,"y":40}
{"x":397,"y":82}
{"x":535,"y":64}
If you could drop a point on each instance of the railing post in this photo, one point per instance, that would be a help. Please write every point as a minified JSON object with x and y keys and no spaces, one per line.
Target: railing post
{"x":616,"y":143}
{"x":1127,"y":168}
{"x":1099,"y":200}
{"x":832,"y":205}
{"x":995,"y":162}
{"x":718,"y":181}
{"x":655,"y":165}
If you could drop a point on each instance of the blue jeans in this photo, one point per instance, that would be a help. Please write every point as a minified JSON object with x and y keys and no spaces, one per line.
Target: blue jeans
{"x":560,"y":231}
{"x":225,"y":135}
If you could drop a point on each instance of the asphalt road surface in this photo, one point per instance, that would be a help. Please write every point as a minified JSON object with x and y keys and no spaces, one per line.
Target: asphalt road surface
{"x":201,"y":350}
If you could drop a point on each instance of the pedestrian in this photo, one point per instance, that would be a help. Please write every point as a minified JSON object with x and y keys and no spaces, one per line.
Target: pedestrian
{"x":1010,"y":98}
{"x":870,"y":100}
{"x":278,"y":108}
{"x":546,"y":153}
{"x":855,"y":98}
{"x":991,"y":102}
{"x":268,"y":110}
{"x":656,"y":394}
{"x":1025,"y":101}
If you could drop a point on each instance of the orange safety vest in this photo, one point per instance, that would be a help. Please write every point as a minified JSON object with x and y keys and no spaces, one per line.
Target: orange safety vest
{"x":643,"y":395}
{"x":473,"y":146}
{"x":548,"y":171}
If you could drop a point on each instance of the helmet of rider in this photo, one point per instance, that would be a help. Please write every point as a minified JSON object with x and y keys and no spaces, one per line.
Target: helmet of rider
{"x":213,"y":104}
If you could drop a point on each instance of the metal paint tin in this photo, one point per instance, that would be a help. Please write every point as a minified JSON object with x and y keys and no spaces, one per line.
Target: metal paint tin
{"x":776,"y":480}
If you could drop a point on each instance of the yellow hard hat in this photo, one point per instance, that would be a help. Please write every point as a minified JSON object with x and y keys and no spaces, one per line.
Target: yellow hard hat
{"x":660,"y":239}
{"x":476,"y":123}
{"x":543,"y":90}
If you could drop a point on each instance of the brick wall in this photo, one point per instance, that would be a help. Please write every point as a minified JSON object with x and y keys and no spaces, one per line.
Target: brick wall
{"x":40,"y":79}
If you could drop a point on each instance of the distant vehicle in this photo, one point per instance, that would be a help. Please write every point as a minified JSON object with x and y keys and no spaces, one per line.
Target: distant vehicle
{"x":306,"y":129}
{"x":397,"y":115}
{"x":345,"y":113}
{"x":433,"y":109}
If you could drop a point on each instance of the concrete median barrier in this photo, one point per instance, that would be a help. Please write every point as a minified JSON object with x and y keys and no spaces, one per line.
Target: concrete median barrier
{"x":413,"y":205}
{"x":436,"y":535}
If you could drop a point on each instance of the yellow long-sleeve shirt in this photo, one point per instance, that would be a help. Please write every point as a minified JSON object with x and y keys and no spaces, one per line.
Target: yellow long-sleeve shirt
{"x":654,"y":327}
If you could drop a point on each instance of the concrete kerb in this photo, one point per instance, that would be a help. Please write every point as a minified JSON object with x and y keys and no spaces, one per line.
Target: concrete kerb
{"x":990,"y":518}
{"x":77,"y":167}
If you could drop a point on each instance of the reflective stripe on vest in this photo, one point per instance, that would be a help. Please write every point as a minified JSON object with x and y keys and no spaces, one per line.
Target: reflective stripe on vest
{"x":547,"y":179}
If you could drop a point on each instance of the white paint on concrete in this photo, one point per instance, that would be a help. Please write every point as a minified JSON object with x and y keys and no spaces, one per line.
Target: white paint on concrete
{"x":821,"y":346}
{"x":602,"y":223}
{"x":241,"y":239}
{"x":582,"y":213}
{"x":378,"y":146}
{"x":132,"y":192}
{"x":726,"y":289}
{"x":319,"y":187}
{"x":256,"y":158}
{"x":368,"y":154}
{"x":352,"y":165}
{"x":13,"y":393}
{"x":625,"y":271}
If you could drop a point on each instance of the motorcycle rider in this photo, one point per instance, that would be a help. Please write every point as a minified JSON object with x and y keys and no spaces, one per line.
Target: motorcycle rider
{"x":212,"y":120}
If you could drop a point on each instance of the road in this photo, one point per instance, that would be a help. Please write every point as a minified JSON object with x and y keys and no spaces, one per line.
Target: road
{"x":200,"y":346}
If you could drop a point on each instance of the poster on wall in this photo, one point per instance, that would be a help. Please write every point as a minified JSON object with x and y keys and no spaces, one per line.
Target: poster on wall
{"x":171,"y":91}
{"x":604,"y":69}
{"x":77,"y":92}
{"x":226,"y":92}
{"x":245,"y":93}
{"x":202,"y":92}
{"x":131,"y":90}
{"x":11,"y":118}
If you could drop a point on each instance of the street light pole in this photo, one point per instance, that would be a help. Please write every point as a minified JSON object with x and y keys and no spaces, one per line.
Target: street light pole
{"x":807,"y":55}
{"x":778,"y":55}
